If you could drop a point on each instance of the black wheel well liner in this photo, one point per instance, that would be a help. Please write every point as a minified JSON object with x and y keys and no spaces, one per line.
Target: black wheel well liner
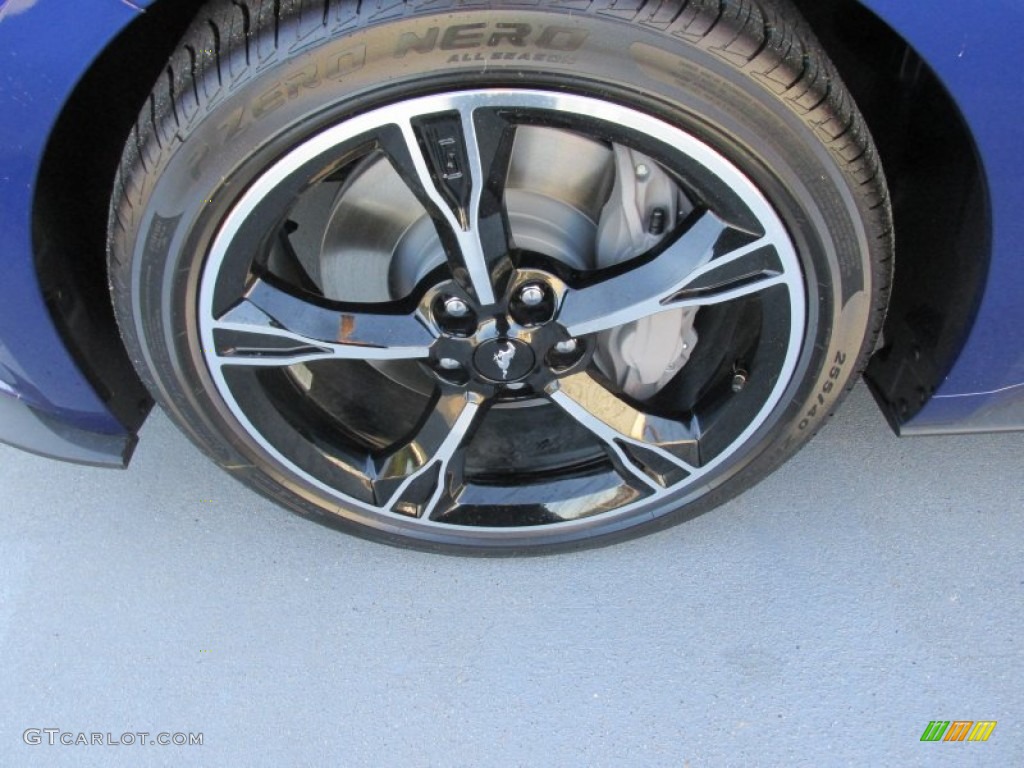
{"x":72,"y":198}
{"x":942,"y":218}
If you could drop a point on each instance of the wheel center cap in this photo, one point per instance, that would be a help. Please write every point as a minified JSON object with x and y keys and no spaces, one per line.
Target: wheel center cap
{"x":504,"y":360}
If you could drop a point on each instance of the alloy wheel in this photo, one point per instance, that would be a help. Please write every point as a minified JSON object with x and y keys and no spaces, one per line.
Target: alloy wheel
{"x":476,"y":316}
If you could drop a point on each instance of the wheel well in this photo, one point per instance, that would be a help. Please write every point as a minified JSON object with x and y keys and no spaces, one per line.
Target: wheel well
{"x":939,"y":196}
{"x":940,"y":208}
{"x":76,"y":178}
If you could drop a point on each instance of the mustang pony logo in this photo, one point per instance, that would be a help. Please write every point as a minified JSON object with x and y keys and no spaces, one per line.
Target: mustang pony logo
{"x":503,"y":358}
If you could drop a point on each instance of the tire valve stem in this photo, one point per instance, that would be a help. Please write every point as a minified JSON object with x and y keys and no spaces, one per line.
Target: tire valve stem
{"x":739,"y":380}
{"x":657,"y":223}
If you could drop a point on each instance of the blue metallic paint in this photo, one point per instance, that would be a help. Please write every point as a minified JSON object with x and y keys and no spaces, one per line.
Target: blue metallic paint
{"x":976,"y":55}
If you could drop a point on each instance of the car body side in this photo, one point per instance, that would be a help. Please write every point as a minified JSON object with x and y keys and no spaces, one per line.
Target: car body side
{"x":937,"y":84}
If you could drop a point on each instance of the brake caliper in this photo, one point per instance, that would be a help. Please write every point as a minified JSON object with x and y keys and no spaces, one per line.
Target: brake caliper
{"x":644,"y":207}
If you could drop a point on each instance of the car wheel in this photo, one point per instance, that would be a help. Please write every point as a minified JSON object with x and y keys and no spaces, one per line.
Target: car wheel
{"x":499,"y":277}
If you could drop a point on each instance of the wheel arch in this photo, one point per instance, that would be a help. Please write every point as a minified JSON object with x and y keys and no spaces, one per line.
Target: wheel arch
{"x":942,"y":219}
{"x":939,"y":192}
{"x":72,"y":197}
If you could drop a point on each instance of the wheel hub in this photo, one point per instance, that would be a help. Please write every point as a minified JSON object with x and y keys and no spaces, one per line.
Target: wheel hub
{"x":516,"y":344}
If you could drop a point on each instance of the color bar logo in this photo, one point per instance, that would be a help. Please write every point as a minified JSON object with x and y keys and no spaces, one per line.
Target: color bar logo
{"x":958,"y":730}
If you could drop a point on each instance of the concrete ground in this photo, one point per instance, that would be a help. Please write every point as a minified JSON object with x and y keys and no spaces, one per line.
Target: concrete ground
{"x":825,"y":618}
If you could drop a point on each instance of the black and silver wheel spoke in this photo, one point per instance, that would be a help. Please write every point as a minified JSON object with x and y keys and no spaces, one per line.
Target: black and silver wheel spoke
{"x":686,"y":274}
{"x":456,"y":163}
{"x":645,"y":449}
{"x":271,"y":327}
{"x":417,"y":475}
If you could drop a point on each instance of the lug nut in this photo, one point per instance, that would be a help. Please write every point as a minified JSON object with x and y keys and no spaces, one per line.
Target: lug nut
{"x":531,"y":295}
{"x":567,"y":347}
{"x":449,"y":364}
{"x":642,"y":171}
{"x":456,"y":307}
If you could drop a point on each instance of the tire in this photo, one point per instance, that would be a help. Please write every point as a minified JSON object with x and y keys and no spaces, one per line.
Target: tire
{"x":495,"y":277}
